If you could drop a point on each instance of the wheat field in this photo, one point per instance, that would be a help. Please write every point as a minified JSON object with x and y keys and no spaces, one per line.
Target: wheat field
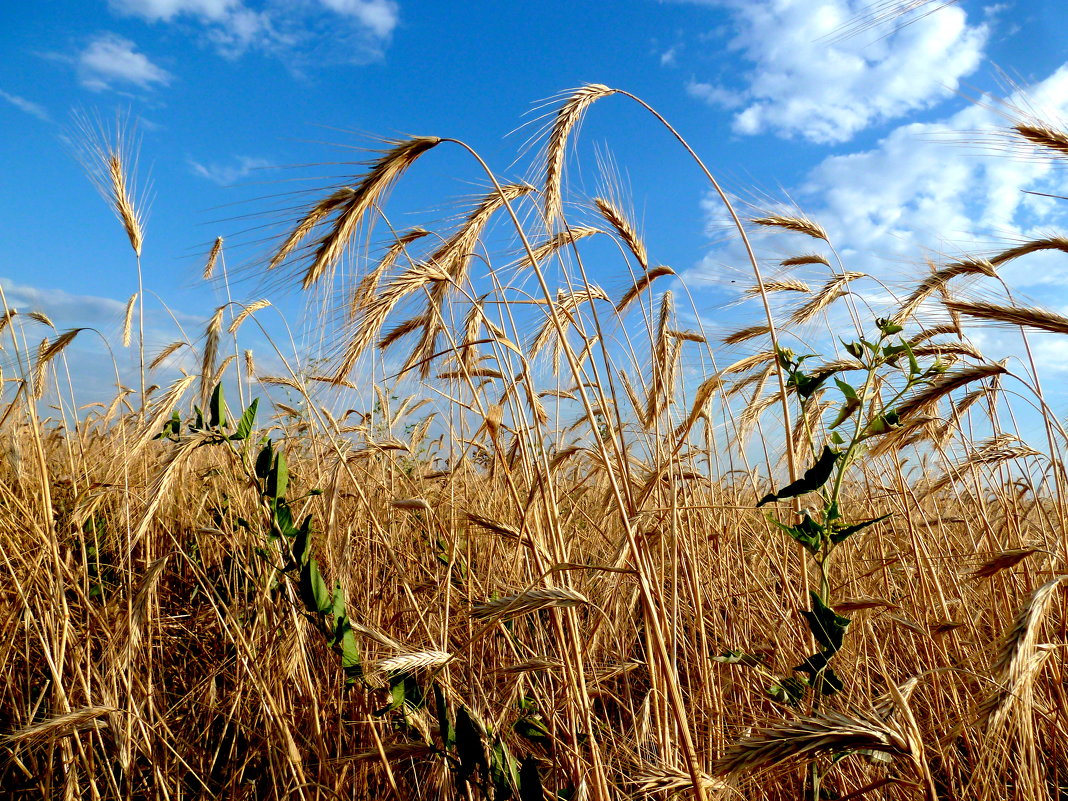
{"x":575,"y":548}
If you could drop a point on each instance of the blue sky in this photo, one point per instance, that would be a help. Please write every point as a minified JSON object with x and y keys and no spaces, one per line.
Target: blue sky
{"x":872,"y":133}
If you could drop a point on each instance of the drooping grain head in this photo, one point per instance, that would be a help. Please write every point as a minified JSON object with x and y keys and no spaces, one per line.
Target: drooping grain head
{"x":567,"y":118}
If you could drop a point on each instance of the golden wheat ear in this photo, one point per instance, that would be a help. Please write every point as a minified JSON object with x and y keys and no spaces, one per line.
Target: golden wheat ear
{"x":795,"y":223}
{"x":347,"y":208}
{"x":569,"y":115}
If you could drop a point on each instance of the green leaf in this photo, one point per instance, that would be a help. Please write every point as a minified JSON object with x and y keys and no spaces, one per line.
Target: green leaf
{"x":735,"y":657}
{"x":445,"y":727}
{"x":302,"y":542}
{"x":504,"y":771}
{"x":844,"y":413}
{"x":788,"y":690}
{"x":806,"y":384}
{"x":888,"y":327}
{"x":814,"y":478}
{"x":808,"y":532}
{"x":217,"y":408}
{"x":826,"y":625}
{"x":914,"y":366}
{"x":530,"y":787}
{"x":345,"y":644}
{"x":847,"y":389}
{"x":264,"y":461}
{"x":282,"y":520}
{"x":883,"y":423}
{"x":468,"y":745}
{"x":531,"y":727}
{"x":248,"y":419}
{"x":821,"y":674}
{"x":842,"y":534}
{"x":278,"y":477}
{"x":313,"y":590}
{"x":854,"y":349}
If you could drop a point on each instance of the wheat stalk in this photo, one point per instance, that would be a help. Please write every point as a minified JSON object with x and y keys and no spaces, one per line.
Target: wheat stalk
{"x":541,"y":251}
{"x":825,"y":732}
{"x":925,"y":399}
{"x":827,"y":294}
{"x":47,"y":351}
{"x":796,"y":223}
{"x":213,"y":257}
{"x":59,"y":726}
{"x":127,"y":320}
{"x":1019,"y":657}
{"x":524,"y":603}
{"x":245,"y":313}
{"x":625,"y":228}
{"x":412,"y":662}
{"x":1043,"y":135}
{"x":643,"y":282}
{"x":1026,"y":316}
{"x":166,"y":353}
{"x":211,"y":351}
{"x":567,"y":117}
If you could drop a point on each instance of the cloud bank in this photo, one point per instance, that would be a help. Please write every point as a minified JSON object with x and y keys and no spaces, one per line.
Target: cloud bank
{"x":809,"y":80}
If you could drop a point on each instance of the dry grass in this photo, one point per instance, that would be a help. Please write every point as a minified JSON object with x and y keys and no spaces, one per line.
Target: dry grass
{"x":542,"y":550}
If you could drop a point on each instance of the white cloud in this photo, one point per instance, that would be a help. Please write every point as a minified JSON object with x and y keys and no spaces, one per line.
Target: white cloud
{"x":298,"y":31}
{"x":931,"y":186}
{"x":64,"y":308}
{"x":21,"y":103}
{"x":228,"y":174}
{"x":941,"y":190}
{"x":111,"y":59}
{"x":380,"y":16}
{"x":809,"y":81}
{"x":166,"y":10}
{"x":715,"y":95}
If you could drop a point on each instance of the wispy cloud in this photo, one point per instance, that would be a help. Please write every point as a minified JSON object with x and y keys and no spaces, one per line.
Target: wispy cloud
{"x":111,"y":61}
{"x":937,"y":190}
{"x":810,"y":81}
{"x":228,"y":174}
{"x":64,"y":308}
{"x":299,"y":32}
{"x":21,"y":103}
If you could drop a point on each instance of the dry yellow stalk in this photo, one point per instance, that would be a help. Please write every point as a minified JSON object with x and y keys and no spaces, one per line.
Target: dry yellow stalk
{"x":745,"y":334}
{"x":559,"y":240}
{"x":782,"y":285}
{"x":828,"y":294}
{"x":569,"y":115}
{"x":618,"y":220}
{"x":245,"y":313}
{"x":47,"y":351}
{"x":211,"y":351}
{"x":166,"y":353}
{"x":640,"y":285}
{"x":798,"y":223}
{"x":127,"y":320}
{"x":1027,"y":316}
{"x":213,"y":257}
